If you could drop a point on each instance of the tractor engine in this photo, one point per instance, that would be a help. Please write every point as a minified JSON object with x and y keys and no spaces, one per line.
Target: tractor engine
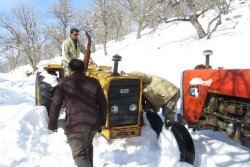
{"x":230,"y":115}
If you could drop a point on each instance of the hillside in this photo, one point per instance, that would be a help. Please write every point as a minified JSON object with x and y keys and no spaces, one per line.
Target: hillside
{"x":174,"y":47}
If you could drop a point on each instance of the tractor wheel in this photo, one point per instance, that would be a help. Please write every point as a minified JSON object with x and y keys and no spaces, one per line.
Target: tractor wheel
{"x":184,"y":141}
{"x":155,"y":122}
{"x":43,"y":92}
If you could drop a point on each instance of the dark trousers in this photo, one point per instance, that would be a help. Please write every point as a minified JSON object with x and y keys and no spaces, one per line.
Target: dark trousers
{"x":82,"y":148}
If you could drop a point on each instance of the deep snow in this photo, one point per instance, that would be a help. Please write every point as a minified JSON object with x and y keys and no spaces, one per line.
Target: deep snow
{"x":25,"y":141}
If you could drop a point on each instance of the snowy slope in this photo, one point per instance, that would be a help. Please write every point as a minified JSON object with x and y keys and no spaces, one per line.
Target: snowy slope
{"x":25,"y":141}
{"x":175,"y":47}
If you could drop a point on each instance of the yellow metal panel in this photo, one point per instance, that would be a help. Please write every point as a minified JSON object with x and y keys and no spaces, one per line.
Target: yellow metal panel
{"x":90,"y":67}
{"x":105,"y":78}
{"x":99,"y":68}
{"x":139,"y":105}
{"x":38,"y":95}
{"x":120,"y":133}
{"x":58,"y":66}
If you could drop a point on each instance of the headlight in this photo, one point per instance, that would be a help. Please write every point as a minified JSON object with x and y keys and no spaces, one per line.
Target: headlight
{"x":114,"y":109}
{"x":132,"y":107}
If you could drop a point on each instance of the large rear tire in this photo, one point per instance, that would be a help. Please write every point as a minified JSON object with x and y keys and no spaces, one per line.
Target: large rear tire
{"x":184,"y":141}
{"x":43,"y":92}
{"x":181,"y":134}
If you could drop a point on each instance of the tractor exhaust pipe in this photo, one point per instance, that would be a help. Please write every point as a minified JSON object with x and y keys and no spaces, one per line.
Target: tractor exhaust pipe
{"x":207,"y":53}
{"x":116,"y":58}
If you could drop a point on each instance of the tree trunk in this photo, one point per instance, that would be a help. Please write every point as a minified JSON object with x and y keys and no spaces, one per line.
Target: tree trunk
{"x":118,"y":31}
{"x":105,"y":48}
{"x":32,"y":62}
{"x":105,"y":41}
{"x":198,"y":27}
{"x":140,"y":27}
{"x":214,"y":29}
{"x":226,"y":6}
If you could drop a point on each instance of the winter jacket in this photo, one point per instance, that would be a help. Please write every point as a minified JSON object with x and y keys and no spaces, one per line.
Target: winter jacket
{"x":70,"y":52}
{"x":86,"y":105}
{"x":156,"y":89}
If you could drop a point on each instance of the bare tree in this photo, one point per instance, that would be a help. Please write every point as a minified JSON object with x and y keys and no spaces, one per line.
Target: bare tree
{"x":23,"y":35}
{"x":54,"y":35}
{"x":63,"y":14}
{"x":104,"y":20}
{"x":3,"y":66}
{"x":140,"y":11}
{"x":13,"y":59}
{"x":192,"y":10}
{"x":85,"y":20}
{"x":49,"y":50}
{"x":120,"y":20}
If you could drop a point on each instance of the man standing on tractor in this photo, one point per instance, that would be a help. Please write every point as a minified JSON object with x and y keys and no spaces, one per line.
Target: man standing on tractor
{"x":158,"y":93}
{"x":72,"y":47}
{"x":86,"y":111}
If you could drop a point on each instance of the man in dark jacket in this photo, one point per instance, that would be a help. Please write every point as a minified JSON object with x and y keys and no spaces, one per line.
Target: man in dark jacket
{"x":86,"y":108}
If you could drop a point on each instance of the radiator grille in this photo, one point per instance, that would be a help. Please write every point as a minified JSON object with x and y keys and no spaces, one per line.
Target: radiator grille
{"x":123,"y":93}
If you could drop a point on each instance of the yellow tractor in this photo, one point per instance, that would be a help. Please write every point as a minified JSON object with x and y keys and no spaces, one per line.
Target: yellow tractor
{"x":124,"y":97}
{"x":123,"y":94}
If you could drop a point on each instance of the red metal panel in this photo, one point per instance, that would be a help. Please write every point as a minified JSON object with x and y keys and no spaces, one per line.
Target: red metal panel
{"x":231,"y":82}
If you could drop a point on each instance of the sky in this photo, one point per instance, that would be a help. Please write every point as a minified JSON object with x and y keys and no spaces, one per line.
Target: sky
{"x":41,"y":6}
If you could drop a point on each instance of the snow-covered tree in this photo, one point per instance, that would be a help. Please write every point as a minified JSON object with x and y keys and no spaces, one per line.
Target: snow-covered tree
{"x":192,"y":10}
{"x":140,"y":11}
{"x":57,"y":30}
{"x":23,"y":37}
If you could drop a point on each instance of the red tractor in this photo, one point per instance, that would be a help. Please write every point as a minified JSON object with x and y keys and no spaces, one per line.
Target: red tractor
{"x":217,"y":99}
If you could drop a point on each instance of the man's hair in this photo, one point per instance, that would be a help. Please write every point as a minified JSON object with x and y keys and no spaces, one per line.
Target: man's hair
{"x":76,"y":65}
{"x":73,"y":30}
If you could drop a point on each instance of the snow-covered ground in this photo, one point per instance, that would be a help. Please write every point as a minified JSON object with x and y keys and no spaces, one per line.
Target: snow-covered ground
{"x":25,"y":141}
